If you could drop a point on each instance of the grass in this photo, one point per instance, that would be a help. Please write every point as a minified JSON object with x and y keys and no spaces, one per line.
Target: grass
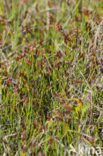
{"x":51,"y":77}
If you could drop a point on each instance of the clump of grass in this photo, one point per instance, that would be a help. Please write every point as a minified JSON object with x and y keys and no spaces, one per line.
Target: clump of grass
{"x":51,"y":81}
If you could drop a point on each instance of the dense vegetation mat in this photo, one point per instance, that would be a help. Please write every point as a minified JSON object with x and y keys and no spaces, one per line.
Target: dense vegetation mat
{"x":51,"y":77}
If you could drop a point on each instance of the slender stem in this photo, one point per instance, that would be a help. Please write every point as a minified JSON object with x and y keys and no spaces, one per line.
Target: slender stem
{"x":80,"y":6}
{"x":6,"y":7}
